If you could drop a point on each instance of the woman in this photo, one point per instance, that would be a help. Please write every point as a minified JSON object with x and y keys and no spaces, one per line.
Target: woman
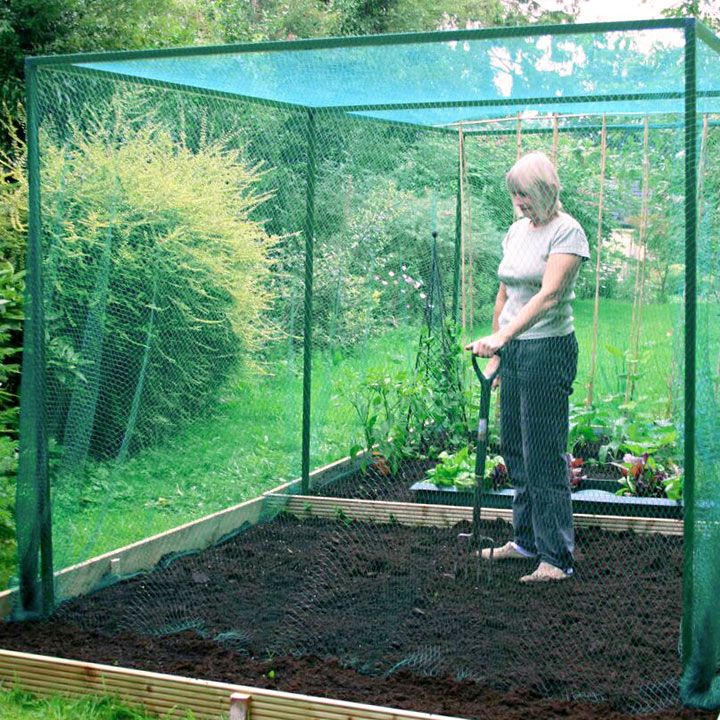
{"x":533,"y":327}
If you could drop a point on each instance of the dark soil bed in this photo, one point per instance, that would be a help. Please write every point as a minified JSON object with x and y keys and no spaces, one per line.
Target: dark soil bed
{"x":395,"y":616}
{"x":376,"y":482}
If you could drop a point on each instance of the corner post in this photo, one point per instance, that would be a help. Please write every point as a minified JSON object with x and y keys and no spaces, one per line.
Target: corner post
{"x":33,"y":485}
{"x":690,"y":334}
{"x":309,"y":231}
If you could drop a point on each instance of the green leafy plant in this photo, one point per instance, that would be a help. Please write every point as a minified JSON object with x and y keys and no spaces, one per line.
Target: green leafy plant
{"x":411,"y":414}
{"x":458,"y":470}
{"x":643,"y":476}
{"x":453,"y":469}
{"x":382,"y":400}
{"x":613,"y":428}
{"x":440,"y":413}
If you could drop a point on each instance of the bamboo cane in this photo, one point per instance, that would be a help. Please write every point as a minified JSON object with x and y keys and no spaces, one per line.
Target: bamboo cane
{"x":469,"y":243}
{"x":461,"y":180}
{"x":636,"y":323}
{"x":598,"y":251}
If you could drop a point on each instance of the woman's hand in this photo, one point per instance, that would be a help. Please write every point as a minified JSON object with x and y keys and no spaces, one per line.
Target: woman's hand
{"x":487,"y":346}
{"x":491,"y":369}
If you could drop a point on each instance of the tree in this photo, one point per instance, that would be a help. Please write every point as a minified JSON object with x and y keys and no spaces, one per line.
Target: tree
{"x":707,"y":11}
{"x":39,"y":27}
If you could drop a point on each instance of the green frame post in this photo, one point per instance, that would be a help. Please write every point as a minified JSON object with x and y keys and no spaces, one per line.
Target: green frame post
{"x":690,"y":334}
{"x":309,"y":231}
{"x":33,"y":486}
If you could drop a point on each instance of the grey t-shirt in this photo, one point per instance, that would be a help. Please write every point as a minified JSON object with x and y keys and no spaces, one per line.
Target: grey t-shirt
{"x":526,"y":249}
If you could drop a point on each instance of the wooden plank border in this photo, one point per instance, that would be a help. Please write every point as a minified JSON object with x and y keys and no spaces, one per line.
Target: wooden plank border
{"x":194,"y":535}
{"x":448,"y":515}
{"x":173,"y":696}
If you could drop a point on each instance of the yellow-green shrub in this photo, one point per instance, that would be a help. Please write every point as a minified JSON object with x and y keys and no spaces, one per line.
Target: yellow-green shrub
{"x":155,"y":280}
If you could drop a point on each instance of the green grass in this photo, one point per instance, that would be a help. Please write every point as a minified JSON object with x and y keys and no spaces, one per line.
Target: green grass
{"x":249,"y":444}
{"x":18,"y":705}
{"x":252,"y":440}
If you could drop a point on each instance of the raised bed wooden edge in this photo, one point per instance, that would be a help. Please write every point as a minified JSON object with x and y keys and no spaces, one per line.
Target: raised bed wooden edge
{"x":173,"y":696}
{"x":447,"y":515}
{"x":584,"y":500}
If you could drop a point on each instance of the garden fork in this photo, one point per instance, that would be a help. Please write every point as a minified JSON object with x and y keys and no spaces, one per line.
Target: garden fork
{"x":470,"y":545}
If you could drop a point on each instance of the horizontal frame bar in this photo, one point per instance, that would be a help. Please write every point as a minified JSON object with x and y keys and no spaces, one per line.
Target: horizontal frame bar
{"x":531,"y":101}
{"x":583,"y":128}
{"x":495,"y":33}
{"x":352,"y":109}
{"x":705,"y":34}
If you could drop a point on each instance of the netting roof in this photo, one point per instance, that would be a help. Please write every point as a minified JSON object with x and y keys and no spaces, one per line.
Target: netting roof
{"x":447,"y":77}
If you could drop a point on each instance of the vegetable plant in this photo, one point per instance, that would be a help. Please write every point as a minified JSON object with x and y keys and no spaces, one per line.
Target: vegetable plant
{"x":458,"y":470}
{"x":643,"y":476}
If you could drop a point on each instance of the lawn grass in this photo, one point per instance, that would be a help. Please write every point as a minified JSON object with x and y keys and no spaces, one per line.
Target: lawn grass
{"x":252,"y":440}
{"x":249,"y":444}
{"x":18,"y":705}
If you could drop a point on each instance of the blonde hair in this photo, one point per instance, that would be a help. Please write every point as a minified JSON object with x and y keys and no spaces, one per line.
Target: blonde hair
{"x":535,"y":176}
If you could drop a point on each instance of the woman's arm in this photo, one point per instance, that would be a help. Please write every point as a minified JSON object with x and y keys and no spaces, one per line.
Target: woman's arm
{"x":500,"y":300}
{"x":560,"y":271}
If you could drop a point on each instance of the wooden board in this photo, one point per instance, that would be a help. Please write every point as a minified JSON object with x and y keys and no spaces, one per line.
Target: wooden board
{"x":173,"y":696}
{"x":448,"y":515}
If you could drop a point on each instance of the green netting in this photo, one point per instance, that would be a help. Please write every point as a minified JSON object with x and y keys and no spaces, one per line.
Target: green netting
{"x":439,"y":73}
{"x":253,"y":262}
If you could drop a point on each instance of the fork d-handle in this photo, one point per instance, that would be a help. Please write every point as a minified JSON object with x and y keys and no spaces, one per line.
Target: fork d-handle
{"x":482,"y":442}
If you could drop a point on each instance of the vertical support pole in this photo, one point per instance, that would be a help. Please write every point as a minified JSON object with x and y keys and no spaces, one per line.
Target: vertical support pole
{"x":690,"y":335}
{"x":458,"y":245}
{"x":640,"y":270}
{"x":33,"y":487}
{"x":309,"y":231}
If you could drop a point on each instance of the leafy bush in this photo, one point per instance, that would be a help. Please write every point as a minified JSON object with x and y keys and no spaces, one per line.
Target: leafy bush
{"x":372,"y":270}
{"x":11,"y":316}
{"x":155,"y":280}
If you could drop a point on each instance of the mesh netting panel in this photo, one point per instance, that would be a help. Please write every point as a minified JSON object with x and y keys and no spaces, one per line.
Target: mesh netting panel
{"x":521,"y":524}
{"x":174,"y":307}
